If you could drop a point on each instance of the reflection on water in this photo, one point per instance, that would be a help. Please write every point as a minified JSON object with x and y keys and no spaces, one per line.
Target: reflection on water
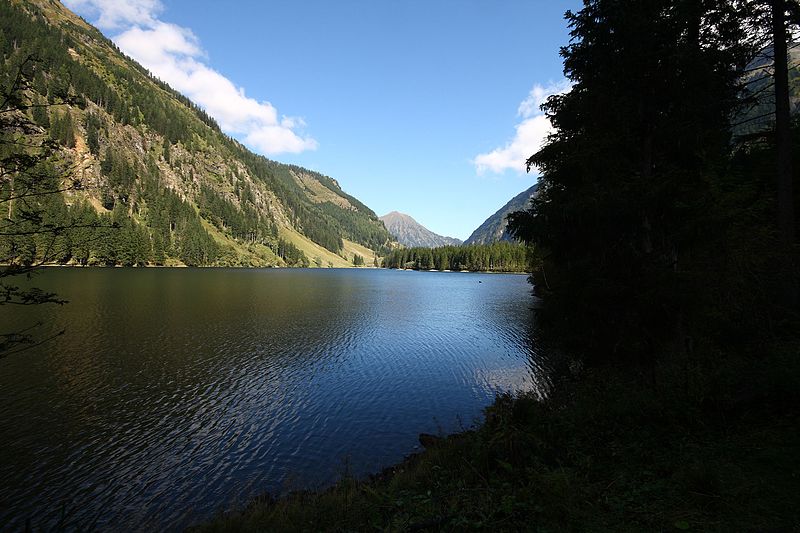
{"x":175,"y":393}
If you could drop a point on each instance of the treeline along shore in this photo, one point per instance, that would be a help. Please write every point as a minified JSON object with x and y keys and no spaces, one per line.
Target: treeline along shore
{"x":497,"y":257}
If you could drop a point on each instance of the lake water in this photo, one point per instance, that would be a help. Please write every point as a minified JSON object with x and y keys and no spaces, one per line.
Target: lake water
{"x":175,"y":393}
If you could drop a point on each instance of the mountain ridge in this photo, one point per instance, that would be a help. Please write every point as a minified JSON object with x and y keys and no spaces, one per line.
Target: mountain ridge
{"x":495,"y":228}
{"x":151,"y":158}
{"x":411,"y":233}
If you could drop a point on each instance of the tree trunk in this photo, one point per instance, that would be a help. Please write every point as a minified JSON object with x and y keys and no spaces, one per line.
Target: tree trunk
{"x":783,"y":154}
{"x":783,"y":142}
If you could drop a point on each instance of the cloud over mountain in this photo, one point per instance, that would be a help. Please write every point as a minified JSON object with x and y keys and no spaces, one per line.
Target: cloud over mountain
{"x":174,"y":54}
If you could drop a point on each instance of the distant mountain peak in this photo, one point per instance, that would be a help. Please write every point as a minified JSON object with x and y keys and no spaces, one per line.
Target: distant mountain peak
{"x":411,"y":233}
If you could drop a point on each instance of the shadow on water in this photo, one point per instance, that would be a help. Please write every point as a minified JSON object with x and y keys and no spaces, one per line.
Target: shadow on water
{"x":178,"y":392}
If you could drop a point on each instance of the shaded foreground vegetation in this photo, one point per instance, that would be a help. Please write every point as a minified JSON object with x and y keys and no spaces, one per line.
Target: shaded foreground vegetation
{"x":669,"y":266}
{"x":705,"y":445}
{"x":668,"y":271}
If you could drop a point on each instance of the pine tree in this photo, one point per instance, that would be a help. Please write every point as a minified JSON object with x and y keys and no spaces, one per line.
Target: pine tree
{"x":34,"y":227}
{"x":93,"y":126}
{"x":624,"y":216}
{"x":41,"y":116}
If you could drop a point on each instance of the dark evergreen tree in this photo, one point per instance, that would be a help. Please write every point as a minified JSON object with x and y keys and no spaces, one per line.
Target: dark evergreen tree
{"x":93,"y":126}
{"x":629,"y":216}
{"x":40,"y":115}
{"x":291,"y":254}
{"x":62,"y":129}
{"x":35,"y":225}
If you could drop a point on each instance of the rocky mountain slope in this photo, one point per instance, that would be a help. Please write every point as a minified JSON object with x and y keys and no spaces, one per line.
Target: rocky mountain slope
{"x":495,"y":227}
{"x":156,"y":167}
{"x":411,"y":233}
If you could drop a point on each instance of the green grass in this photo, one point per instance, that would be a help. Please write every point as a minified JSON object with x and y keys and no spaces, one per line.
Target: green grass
{"x":692,"y":446}
{"x":237,"y":254}
{"x":326,"y":257}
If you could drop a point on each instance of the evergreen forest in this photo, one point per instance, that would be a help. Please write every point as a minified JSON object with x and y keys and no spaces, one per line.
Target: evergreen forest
{"x":661,"y":243}
{"x":123,"y":170}
{"x":501,"y":256}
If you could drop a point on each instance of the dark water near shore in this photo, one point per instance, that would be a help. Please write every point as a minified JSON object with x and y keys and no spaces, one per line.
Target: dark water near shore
{"x":177,"y":392}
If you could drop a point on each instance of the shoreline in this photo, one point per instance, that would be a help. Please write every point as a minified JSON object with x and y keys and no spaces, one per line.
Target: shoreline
{"x":139,"y":267}
{"x":460,"y":271}
{"x":605,"y":452}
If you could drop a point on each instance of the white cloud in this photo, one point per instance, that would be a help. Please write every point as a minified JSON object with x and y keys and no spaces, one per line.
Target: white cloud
{"x":116,"y":14}
{"x":539,"y":95}
{"x":173,"y":54}
{"x":530,"y":135}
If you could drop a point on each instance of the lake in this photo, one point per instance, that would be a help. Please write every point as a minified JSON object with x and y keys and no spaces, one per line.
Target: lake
{"x":175,"y":393}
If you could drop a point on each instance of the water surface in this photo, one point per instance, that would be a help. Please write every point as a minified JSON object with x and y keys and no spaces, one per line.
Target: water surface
{"x":178,"y":392}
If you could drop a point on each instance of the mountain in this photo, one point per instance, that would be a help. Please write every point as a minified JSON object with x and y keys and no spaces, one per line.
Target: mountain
{"x":155,"y":168}
{"x":495,"y":227}
{"x":411,"y":233}
{"x":753,"y":120}
{"x":757,"y":118}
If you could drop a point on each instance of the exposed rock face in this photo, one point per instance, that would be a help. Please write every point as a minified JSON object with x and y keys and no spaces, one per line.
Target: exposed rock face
{"x":172,"y":172}
{"x":411,"y":233}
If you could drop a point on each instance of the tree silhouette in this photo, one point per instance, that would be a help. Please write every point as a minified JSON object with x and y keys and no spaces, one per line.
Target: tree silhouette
{"x":634,"y":182}
{"x":33,"y":229}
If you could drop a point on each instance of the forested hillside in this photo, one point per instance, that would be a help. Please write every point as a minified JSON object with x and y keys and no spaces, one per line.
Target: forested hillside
{"x":142,"y":175}
{"x":753,"y":119}
{"x":495,"y":227}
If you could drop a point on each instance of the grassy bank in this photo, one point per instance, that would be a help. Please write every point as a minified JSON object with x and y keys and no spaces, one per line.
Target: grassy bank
{"x":690,"y":446}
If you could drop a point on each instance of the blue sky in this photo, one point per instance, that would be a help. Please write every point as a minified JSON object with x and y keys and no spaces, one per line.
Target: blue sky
{"x":424,"y":107}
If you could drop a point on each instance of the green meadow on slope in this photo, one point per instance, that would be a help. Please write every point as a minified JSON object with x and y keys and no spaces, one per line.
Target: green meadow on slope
{"x":148,"y":176}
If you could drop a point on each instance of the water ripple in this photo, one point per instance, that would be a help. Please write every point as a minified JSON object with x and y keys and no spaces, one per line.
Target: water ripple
{"x":176,"y":393}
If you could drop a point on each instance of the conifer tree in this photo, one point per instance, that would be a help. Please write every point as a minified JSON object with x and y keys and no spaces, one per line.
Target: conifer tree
{"x":624,"y":216}
{"x":34,"y":226}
